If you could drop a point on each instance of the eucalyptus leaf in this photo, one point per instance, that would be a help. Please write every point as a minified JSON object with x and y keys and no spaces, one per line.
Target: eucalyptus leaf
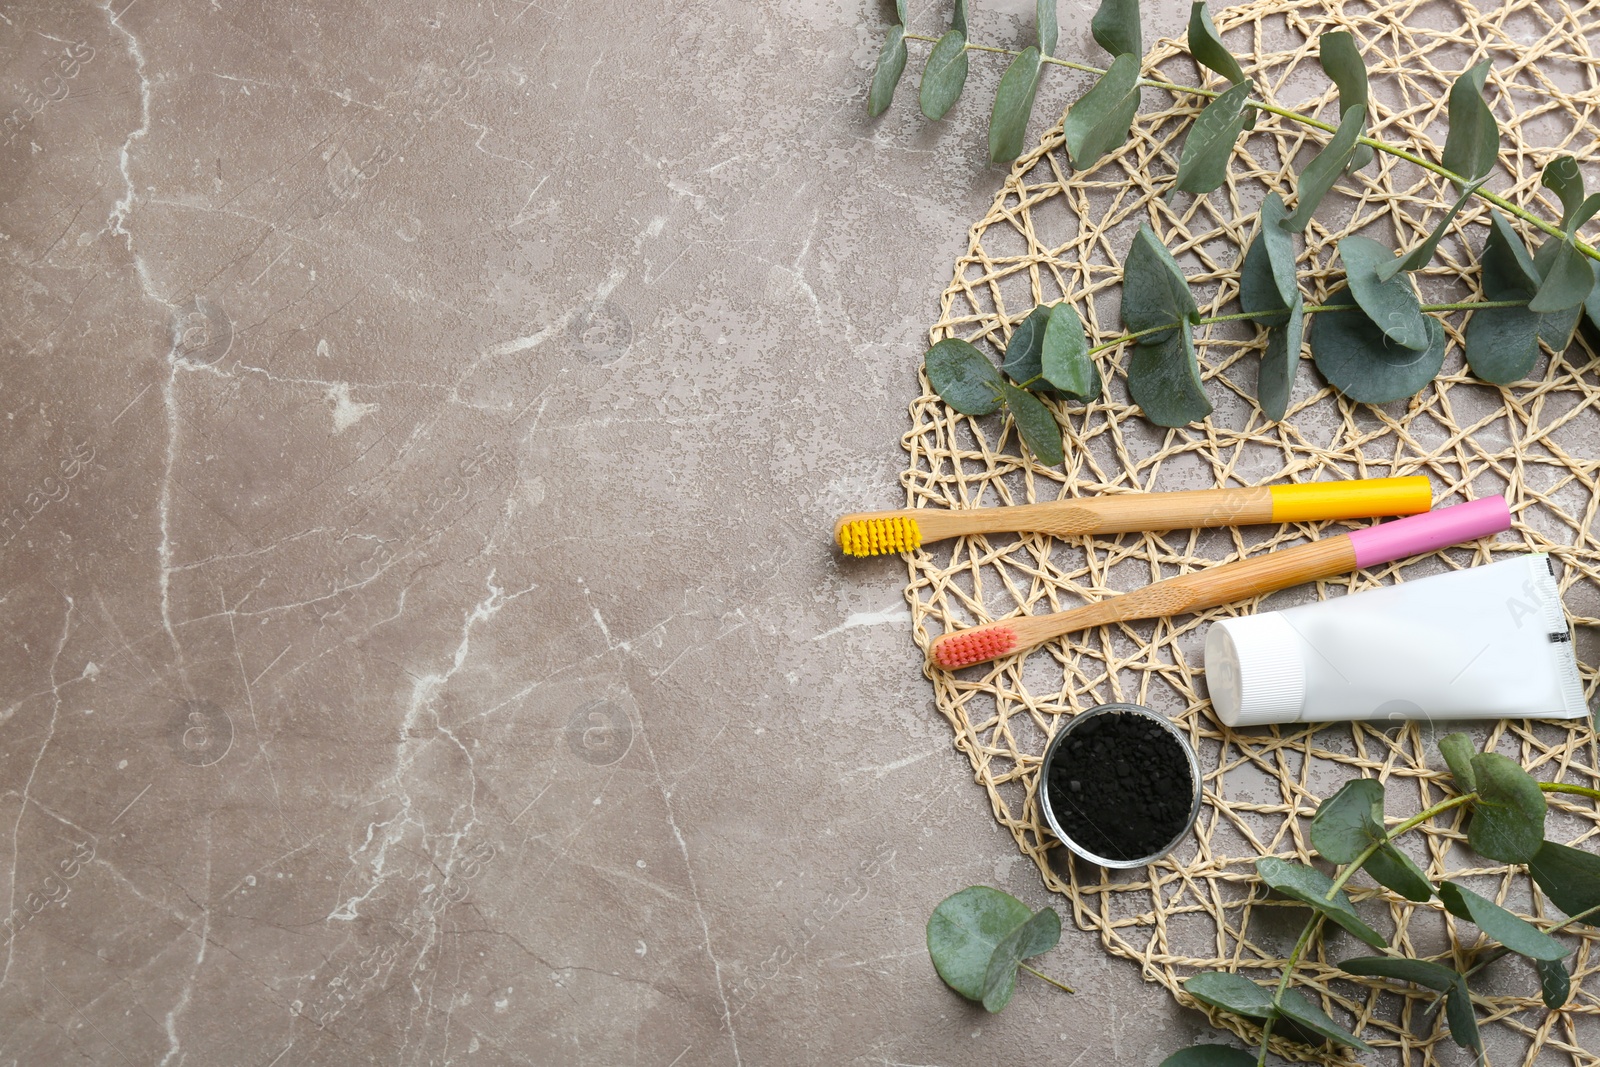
{"x":1044,"y":12}
{"x":1205,"y":44}
{"x":1509,"y":272}
{"x":1267,"y":279}
{"x":1585,"y":212}
{"x":1508,"y":818}
{"x":900,"y":9}
{"x":1230,"y":992}
{"x":1203,"y":164}
{"x":1568,"y":279}
{"x":1516,"y":934}
{"x":1350,"y":820}
{"x":1324,"y":170}
{"x":1463,"y":1021}
{"x":1391,"y":305}
{"x":1458,"y":750}
{"x":945,"y":75}
{"x":1569,"y":876}
{"x":1419,"y":256}
{"x":1310,"y":886}
{"x":1099,"y":121}
{"x":1562,"y":177}
{"x":958,"y":18}
{"x":1281,"y":362}
{"x":1155,"y":294}
{"x":1395,"y":870}
{"x":1364,"y":365}
{"x":1556,"y":327}
{"x":1065,"y":360}
{"x":1473,"y":143}
{"x":1555,"y":984}
{"x":1164,"y":379}
{"x":1115,"y":27}
{"x":1341,"y":61}
{"x":1025,"y":350}
{"x":1591,"y":306}
{"x":1419,"y":972}
{"x":964,"y":931}
{"x":1038,"y":428}
{"x":1300,"y":1011}
{"x":963,"y":377}
{"x":891,"y":64}
{"x":1039,"y":934}
{"x":1013,"y":103}
{"x":1499,"y":347}
{"x":1209,"y":1056}
{"x":1502,"y":344}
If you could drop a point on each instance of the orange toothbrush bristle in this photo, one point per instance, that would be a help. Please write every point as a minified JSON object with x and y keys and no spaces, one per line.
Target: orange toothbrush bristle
{"x":875,"y":537}
{"x":964,"y":648}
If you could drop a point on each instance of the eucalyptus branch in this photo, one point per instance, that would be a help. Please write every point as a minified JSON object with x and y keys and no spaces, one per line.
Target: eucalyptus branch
{"x":1575,"y":790}
{"x":1047,"y":978}
{"x":1398,"y":151}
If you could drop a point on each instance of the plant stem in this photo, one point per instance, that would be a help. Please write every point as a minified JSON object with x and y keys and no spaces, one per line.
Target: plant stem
{"x":1295,"y":116}
{"x":1576,"y":790}
{"x":1344,"y":875}
{"x":1244,"y":316}
{"x":1047,"y":978}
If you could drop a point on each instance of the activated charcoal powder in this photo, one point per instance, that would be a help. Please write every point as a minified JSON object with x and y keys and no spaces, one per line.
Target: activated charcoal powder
{"x":1120,"y":785}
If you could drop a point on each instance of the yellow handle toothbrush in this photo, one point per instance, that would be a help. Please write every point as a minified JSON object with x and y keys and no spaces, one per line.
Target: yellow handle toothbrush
{"x":872,"y":533}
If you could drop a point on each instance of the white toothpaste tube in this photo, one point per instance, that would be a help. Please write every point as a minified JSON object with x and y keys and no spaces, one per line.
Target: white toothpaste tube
{"x":1487,"y":642}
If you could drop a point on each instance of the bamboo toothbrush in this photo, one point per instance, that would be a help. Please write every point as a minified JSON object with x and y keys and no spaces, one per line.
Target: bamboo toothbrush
{"x":1245,"y":578}
{"x":871,"y":533}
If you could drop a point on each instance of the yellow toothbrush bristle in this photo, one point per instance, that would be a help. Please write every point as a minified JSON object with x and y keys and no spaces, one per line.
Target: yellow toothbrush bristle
{"x":875,"y":537}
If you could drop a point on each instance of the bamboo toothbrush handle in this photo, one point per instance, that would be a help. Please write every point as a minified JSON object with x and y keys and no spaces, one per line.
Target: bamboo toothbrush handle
{"x":1223,"y":584}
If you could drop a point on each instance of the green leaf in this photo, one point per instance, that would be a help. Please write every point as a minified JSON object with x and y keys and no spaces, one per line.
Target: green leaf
{"x":1420,"y":972}
{"x":1039,"y":934}
{"x":1155,"y":294}
{"x":945,"y":74}
{"x":1585,"y":212}
{"x":1509,"y":272}
{"x":1310,"y":886}
{"x":1419,"y":256}
{"x":1568,"y":279}
{"x":958,"y":18}
{"x":1164,"y":379}
{"x":1300,"y":1011}
{"x":1562,"y":177}
{"x":1463,"y":1022}
{"x":900,"y":10}
{"x":1569,"y":876}
{"x":1044,"y":12}
{"x":964,"y":931}
{"x":1024,"y":351}
{"x":1323,"y":171}
{"x":1013,"y":103}
{"x":1230,"y":992}
{"x":1205,"y":44}
{"x":1099,"y":121}
{"x":1116,"y":28}
{"x":1508,"y":818}
{"x":1209,"y":1056}
{"x":1203,"y":165}
{"x":963,"y":377}
{"x":1473,"y":143}
{"x":1395,"y":870}
{"x":1341,"y":61}
{"x":1349,"y":821}
{"x":1458,"y":750}
{"x":1065,"y":360}
{"x":1392,"y":305}
{"x":1556,"y":327}
{"x":1591,"y":306}
{"x":1267,"y":280}
{"x":1281,"y":362}
{"x":1516,"y":934}
{"x":1039,"y":429}
{"x":1364,"y":365}
{"x":1502,"y":344}
{"x":891,"y":64}
{"x":1555,"y":984}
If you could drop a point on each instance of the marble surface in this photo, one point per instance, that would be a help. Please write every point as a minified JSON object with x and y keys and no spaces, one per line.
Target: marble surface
{"x":421,"y":642}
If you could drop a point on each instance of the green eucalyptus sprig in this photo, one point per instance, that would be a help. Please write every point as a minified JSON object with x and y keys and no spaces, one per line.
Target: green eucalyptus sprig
{"x":1387,"y":352}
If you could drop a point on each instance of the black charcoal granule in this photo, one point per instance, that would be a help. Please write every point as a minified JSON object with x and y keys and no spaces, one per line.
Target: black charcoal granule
{"x":1120,"y":786}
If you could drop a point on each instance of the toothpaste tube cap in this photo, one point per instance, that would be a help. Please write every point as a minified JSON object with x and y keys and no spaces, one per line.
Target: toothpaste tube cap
{"x":1421,"y":534}
{"x":1255,"y":670}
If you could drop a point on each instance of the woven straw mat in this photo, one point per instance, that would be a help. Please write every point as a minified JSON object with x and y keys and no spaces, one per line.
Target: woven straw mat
{"x":1054,"y":234}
